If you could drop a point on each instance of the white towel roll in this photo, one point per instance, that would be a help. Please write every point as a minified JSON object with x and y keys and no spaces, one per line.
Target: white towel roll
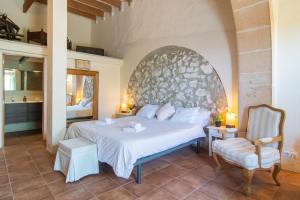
{"x":105,"y":121}
{"x":133,"y":130}
{"x":135,"y":125}
{"x":108,"y":120}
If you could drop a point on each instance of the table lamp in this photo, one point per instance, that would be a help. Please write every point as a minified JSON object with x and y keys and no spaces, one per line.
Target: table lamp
{"x":230,"y":120}
{"x":124,"y":108}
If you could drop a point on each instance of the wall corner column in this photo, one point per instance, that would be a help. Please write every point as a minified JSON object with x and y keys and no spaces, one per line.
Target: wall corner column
{"x":57,"y":71}
{"x":253,"y":32}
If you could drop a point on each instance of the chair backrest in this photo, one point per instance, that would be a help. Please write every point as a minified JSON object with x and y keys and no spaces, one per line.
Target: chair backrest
{"x":265,"y":121}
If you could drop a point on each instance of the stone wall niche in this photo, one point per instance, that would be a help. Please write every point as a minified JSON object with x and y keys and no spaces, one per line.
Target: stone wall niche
{"x":177,"y":75}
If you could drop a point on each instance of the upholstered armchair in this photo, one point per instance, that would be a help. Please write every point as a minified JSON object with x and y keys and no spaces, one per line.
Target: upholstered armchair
{"x":261,"y":149}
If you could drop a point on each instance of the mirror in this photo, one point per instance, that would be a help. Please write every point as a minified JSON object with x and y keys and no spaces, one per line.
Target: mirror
{"x":23,"y":73}
{"x":13,"y":80}
{"x":82,"y":95}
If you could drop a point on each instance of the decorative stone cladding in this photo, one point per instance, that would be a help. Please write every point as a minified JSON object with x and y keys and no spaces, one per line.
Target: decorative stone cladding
{"x":177,"y":75}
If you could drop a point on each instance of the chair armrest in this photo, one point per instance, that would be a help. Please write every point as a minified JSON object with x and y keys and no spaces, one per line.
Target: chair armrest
{"x":263,"y":141}
{"x":268,"y":140}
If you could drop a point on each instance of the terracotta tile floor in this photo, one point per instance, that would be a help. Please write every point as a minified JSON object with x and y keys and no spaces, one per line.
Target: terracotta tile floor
{"x":26,"y":173}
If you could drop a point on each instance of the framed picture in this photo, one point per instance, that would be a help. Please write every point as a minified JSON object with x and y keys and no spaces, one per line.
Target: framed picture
{"x":83,"y":64}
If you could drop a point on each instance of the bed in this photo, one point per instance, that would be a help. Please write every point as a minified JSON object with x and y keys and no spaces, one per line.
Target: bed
{"x":123,"y":150}
{"x":170,"y":74}
{"x":78,"y":111}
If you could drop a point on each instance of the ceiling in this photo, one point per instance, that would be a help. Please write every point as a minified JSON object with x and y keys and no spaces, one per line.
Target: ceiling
{"x":86,"y":8}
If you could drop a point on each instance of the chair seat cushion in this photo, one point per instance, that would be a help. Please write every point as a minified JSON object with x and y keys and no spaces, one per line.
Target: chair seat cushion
{"x":76,"y":145}
{"x":241,"y":151}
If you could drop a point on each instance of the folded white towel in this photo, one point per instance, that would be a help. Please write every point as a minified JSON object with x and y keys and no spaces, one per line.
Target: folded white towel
{"x":133,"y":130}
{"x":135,"y":125}
{"x":105,"y":121}
{"x":108,"y":120}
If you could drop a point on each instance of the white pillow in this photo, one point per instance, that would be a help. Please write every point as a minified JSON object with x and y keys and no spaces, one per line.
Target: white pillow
{"x":85,"y":101}
{"x":203,"y":117}
{"x":89,"y":105}
{"x":148,"y":111}
{"x":187,"y":115}
{"x":165,"y":112}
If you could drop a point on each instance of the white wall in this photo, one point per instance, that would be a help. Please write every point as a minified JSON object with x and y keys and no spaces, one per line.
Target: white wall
{"x":109,"y":83}
{"x":79,"y":28}
{"x":286,"y":71}
{"x":205,"y":26}
{"x":57,"y":17}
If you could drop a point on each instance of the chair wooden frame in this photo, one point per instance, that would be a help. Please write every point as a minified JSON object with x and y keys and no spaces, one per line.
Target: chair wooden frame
{"x":248,"y":174}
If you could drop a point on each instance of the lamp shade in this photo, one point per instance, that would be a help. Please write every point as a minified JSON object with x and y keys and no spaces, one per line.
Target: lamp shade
{"x":124,"y":107}
{"x":230,"y":120}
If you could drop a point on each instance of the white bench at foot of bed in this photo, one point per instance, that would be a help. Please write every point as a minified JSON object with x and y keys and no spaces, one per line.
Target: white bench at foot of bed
{"x":76,"y":158}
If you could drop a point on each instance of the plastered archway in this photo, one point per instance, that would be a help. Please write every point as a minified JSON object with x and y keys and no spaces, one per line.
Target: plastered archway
{"x":253,"y":33}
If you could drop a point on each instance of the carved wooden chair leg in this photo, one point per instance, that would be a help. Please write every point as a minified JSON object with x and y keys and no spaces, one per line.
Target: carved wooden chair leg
{"x":248,"y":180}
{"x":215,"y":156}
{"x":276,"y":171}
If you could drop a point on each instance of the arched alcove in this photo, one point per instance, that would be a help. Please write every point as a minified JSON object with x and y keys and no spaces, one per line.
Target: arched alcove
{"x":177,"y":75}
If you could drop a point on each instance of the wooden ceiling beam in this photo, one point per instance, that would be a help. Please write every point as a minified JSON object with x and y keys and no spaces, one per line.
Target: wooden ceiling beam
{"x":83,"y":14}
{"x":42,"y":1}
{"x":27,"y":4}
{"x":85,"y":8}
{"x":74,"y":11}
{"x":97,"y":4}
{"x":116,"y":3}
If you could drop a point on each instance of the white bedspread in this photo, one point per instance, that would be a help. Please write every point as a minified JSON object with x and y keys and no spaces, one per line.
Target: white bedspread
{"x":122,"y":149}
{"x":78,"y":111}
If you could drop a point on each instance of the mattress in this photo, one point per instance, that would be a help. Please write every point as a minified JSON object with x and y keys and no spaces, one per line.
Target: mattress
{"x":78,"y":111}
{"x":122,"y":149}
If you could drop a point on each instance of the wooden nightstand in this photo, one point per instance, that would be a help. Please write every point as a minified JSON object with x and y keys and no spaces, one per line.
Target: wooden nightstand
{"x":220,"y":133}
{"x":121,"y":115}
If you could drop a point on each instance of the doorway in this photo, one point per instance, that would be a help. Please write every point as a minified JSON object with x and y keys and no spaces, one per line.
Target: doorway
{"x":23,"y":98}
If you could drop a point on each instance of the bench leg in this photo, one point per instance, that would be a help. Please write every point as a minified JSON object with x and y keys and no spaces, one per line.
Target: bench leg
{"x":198,"y":146}
{"x":139,"y":174}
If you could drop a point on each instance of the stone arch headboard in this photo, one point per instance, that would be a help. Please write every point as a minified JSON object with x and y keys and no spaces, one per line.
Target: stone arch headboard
{"x":177,"y":75}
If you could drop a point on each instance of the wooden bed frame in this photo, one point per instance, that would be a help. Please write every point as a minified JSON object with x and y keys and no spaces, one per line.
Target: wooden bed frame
{"x":143,"y":160}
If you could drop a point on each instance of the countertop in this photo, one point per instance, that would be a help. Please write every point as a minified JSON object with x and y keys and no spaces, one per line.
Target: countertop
{"x":15,"y":102}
